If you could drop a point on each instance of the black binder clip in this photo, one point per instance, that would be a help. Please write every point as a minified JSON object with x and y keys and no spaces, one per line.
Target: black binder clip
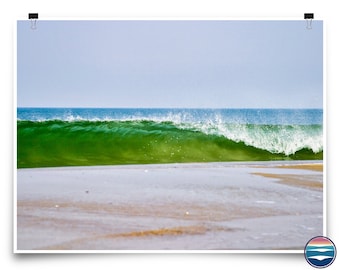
{"x":33,"y":17}
{"x":309,"y":18}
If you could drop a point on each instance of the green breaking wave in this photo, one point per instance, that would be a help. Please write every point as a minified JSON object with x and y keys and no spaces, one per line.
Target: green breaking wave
{"x":82,"y":143}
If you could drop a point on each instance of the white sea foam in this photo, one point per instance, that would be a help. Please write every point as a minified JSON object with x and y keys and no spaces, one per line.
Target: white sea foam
{"x":286,"y":139}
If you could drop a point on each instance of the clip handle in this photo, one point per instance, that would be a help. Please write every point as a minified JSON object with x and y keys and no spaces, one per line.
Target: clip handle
{"x":33,"y":17}
{"x":309,"y":18}
{"x":33,"y":24}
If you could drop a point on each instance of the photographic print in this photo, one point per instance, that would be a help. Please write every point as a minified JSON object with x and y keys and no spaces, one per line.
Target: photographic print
{"x":167,"y":135}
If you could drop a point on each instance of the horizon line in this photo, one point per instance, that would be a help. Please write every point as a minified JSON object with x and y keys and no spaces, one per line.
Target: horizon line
{"x":203,"y":108}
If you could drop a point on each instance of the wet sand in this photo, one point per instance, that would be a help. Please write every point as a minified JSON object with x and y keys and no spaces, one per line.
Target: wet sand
{"x":210,"y":206}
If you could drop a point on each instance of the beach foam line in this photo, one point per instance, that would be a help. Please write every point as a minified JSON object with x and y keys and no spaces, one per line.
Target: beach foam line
{"x":295,"y":164}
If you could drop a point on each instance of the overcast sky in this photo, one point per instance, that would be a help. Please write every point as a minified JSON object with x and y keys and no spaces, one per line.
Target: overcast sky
{"x":184,"y":64}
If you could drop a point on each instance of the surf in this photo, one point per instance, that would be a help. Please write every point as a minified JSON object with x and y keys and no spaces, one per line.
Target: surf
{"x":51,"y":143}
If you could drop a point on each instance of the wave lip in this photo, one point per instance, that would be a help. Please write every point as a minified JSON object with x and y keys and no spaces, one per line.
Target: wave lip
{"x":286,"y":139}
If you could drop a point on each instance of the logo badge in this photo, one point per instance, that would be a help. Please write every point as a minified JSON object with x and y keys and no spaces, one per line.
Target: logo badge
{"x":320,"y":252}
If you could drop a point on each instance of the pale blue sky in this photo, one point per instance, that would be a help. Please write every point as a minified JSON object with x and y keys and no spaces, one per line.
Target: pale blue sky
{"x":193,"y":64}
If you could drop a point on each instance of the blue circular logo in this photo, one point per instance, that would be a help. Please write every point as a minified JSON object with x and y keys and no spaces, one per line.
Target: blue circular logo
{"x":320,"y":252}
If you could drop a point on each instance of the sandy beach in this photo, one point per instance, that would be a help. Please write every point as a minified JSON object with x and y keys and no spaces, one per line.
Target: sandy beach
{"x":197,"y":206}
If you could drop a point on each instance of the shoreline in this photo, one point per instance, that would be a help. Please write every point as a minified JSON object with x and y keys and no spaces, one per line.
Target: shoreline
{"x":291,"y":164}
{"x":178,"y":206}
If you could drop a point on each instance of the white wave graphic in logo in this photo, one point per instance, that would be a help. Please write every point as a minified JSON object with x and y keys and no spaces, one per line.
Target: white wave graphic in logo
{"x":320,"y":257}
{"x":320,"y":249}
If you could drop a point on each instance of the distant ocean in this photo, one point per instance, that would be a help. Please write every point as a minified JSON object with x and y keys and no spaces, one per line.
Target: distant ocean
{"x":50,"y":137}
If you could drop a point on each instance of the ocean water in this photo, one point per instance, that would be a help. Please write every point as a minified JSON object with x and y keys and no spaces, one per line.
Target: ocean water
{"x":49,"y":137}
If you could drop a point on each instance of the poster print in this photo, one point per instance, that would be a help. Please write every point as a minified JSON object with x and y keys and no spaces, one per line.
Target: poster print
{"x":169,"y":135}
